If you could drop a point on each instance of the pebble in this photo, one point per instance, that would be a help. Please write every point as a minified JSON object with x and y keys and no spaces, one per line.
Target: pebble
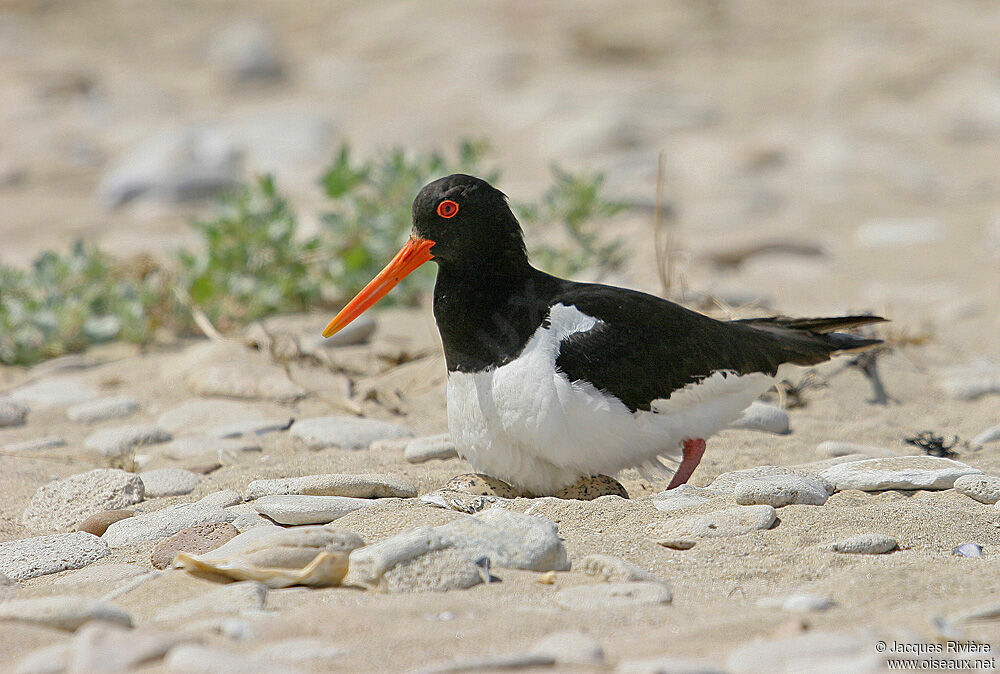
{"x":865,"y":544}
{"x":103,"y":409}
{"x":198,"y":415}
{"x":208,"y":448}
{"x":780,"y":490}
{"x":894,"y":232}
{"x":901,"y":472}
{"x":98,"y":523}
{"x":196,"y":540}
{"x":835,"y":448}
{"x":507,"y":539}
{"x":666,"y":665}
{"x":570,"y":648}
{"x":721,"y":524}
{"x":259,"y":426}
{"x":54,"y":392}
{"x":983,"y":488}
{"x":676,"y":543}
{"x":251,"y":378}
{"x":63,"y":503}
{"x":799,"y":603}
{"x":971,"y":380}
{"x":118,"y":441}
{"x":437,"y":571}
{"x":987,"y":436}
{"x":681,"y":498}
{"x":63,"y":612}
{"x":765,"y":418}
{"x":812,"y":651}
{"x":12,"y":413}
{"x":36,"y":445}
{"x":169,"y":482}
{"x":613,"y":569}
{"x":245,"y":51}
{"x":25,"y":558}
{"x":612,"y":595}
{"x":345,"y":432}
{"x":162,"y":523}
{"x":361,"y":485}
{"x":236,"y":598}
{"x":300,"y":509}
{"x":968,"y":550}
{"x":727,"y":482}
{"x":429,"y":448}
{"x":104,"y":647}
{"x":223,"y":498}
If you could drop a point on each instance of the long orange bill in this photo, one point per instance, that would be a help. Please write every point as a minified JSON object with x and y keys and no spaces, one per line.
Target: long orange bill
{"x":412,"y":255}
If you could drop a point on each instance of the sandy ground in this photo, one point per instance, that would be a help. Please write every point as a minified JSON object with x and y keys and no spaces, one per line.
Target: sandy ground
{"x":800,"y":122}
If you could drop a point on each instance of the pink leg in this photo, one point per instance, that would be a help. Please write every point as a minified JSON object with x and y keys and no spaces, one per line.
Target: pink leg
{"x":694,"y":449}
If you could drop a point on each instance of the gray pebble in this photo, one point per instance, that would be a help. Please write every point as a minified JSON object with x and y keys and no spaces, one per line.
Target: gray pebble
{"x":362,"y":485}
{"x":901,"y":472}
{"x":987,"y":436}
{"x":613,"y":569}
{"x":301,"y":509}
{"x":727,"y":482}
{"x":799,"y":603}
{"x":12,"y":413}
{"x":968,"y":550}
{"x":64,"y":503}
{"x":865,"y":544}
{"x":721,"y":524}
{"x":612,"y":595}
{"x":345,"y":432}
{"x":765,"y":418}
{"x":223,"y":498}
{"x":780,"y":490}
{"x":428,"y":448}
{"x":835,"y":448}
{"x":259,"y":426}
{"x":103,"y":409}
{"x":162,"y":523}
{"x":25,"y":558}
{"x":35,"y":445}
{"x":682,"y":497}
{"x":118,"y":441}
{"x":54,"y":392}
{"x":63,"y":612}
{"x":983,"y":488}
{"x":437,"y":571}
{"x":169,"y":482}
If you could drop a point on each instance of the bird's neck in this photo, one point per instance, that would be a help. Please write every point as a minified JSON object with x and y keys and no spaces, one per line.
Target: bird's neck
{"x":487,"y":315}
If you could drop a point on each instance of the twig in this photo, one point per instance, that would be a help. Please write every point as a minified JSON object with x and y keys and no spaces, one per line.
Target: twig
{"x":661,"y":235}
{"x":199,"y":317}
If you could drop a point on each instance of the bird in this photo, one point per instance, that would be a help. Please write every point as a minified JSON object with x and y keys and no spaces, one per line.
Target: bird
{"x":552,"y":381}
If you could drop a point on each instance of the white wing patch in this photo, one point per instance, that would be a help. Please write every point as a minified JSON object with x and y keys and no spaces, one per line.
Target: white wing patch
{"x":527,"y":424}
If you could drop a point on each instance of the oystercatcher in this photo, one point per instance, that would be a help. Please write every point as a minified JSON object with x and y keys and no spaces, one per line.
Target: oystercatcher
{"x":551,"y":381}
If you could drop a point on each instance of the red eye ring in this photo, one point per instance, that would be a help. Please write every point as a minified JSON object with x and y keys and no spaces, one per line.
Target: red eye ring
{"x":447,"y":209}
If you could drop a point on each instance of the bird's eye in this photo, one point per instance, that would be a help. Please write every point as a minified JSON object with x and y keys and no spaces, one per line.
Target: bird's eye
{"x":447,"y":209}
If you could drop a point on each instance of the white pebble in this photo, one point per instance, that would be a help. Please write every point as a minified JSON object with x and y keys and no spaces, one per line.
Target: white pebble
{"x":780,"y":490}
{"x":901,"y":472}
{"x":865,"y":544}
{"x":169,"y":482}
{"x":421,"y":450}
{"x":302,"y":509}
{"x":32,"y":557}
{"x":103,"y":409}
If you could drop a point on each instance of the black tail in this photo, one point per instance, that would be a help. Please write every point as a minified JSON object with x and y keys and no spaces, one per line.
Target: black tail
{"x":820,"y":325}
{"x":813,"y":340}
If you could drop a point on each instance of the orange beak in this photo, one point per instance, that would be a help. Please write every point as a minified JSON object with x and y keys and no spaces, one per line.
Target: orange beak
{"x":412,"y":255}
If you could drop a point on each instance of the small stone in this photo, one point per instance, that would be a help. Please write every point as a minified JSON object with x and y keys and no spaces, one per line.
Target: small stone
{"x":345,"y":432}
{"x":983,"y":488}
{"x":104,"y":647}
{"x":612,"y":595}
{"x":721,"y":524}
{"x":196,"y":540}
{"x":169,"y":482}
{"x":968,"y":550}
{"x":236,"y":598}
{"x":666,"y":665}
{"x":362,"y":485}
{"x":901,"y":472}
{"x":206,"y":468}
{"x":12,"y":413}
{"x":612,"y":569}
{"x":259,"y":426}
{"x":437,"y":571}
{"x":54,"y":392}
{"x":103,"y":409}
{"x":971,"y":380}
{"x":32,"y":557}
{"x":987,"y":436}
{"x":764,"y":418}
{"x":812,"y":651}
{"x":63,"y":503}
{"x":834,"y":448}
{"x":223,"y":498}
{"x":36,"y":445}
{"x":780,"y":491}
{"x":431,"y":447}
{"x":896,"y":232}
{"x":98,"y":523}
{"x":299,"y":509}
{"x":246,"y":51}
{"x":799,"y":603}
{"x":250,"y":378}
{"x":681,"y":498}
{"x":570,"y":648}
{"x":676,"y":543}
{"x":727,"y":482}
{"x":162,"y":523}
{"x":118,"y":441}
{"x":64,"y":612}
{"x":865,"y":544}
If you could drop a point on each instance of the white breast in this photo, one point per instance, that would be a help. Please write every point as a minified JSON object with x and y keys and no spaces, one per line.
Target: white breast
{"x":528,"y":425}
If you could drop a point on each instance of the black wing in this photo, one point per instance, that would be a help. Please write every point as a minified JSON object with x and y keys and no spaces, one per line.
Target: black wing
{"x":646,"y":347}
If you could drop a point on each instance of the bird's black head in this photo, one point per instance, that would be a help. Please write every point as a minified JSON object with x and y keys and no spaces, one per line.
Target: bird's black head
{"x":459,"y":221}
{"x":469,"y":222}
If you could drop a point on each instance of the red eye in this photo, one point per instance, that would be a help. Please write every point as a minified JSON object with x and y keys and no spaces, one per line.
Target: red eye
{"x":447,"y":209}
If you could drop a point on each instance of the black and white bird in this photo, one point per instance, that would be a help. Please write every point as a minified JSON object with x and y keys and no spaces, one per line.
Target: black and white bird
{"x":551,"y":381}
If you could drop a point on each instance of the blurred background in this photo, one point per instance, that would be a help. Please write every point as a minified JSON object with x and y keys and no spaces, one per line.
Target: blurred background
{"x":817,"y":156}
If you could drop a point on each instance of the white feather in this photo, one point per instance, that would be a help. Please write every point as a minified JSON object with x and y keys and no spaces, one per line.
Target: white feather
{"x":528,"y":424}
